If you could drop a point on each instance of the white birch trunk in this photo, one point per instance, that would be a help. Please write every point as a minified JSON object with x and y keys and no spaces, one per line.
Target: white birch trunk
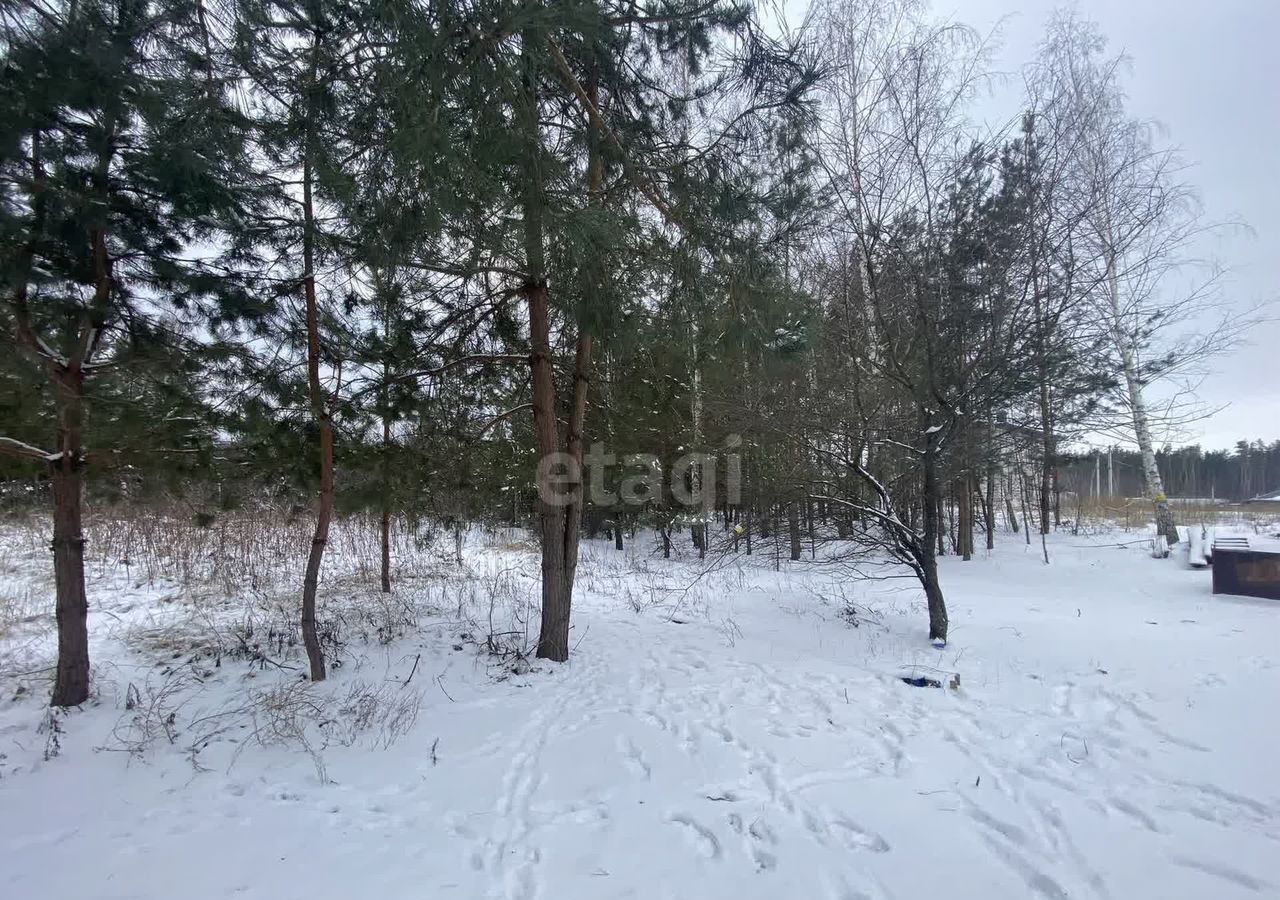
{"x":1141,"y":426}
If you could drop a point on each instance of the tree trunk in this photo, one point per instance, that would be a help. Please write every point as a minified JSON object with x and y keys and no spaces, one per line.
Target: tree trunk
{"x":1165,"y":524}
{"x":71,"y":683}
{"x":324,"y":514}
{"x":385,"y":538}
{"x":793,"y":526}
{"x":71,"y":609}
{"x":813,"y":536}
{"x":989,"y":508}
{"x":1057,"y":499}
{"x":553,"y":640}
{"x":941,"y":531}
{"x":1042,"y":326}
{"x":561,"y":516}
{"x":1048,"y":450}
{"x":777,"y":537}
{"x":319,"y":408}
{"x":385,"y":530}
{"x":932,"y":535}
{"x":1026,"y":516}
{"x":933,"y":595}
{"x":947,"y":508}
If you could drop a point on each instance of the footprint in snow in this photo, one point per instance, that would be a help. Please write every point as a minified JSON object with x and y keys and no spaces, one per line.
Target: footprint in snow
{"x":855,"y":837}
{"x":757,"y":836}
{"x":699,"y":836}
{"x":633,"y":757}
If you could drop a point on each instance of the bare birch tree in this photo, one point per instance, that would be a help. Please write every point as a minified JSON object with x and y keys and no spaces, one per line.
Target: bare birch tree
{"x":1153,"y":303}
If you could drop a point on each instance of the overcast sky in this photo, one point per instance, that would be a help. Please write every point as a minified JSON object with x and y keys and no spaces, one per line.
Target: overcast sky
{"x":1209,"y":71}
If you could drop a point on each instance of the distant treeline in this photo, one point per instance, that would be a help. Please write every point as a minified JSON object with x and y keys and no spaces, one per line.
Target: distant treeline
{"x":1248,"y":470}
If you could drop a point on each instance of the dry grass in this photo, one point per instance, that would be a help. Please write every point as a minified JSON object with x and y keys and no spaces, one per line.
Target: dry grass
{"x":1137,"y":514}
{"x":294,"y":715}
{"x":179,"y":588}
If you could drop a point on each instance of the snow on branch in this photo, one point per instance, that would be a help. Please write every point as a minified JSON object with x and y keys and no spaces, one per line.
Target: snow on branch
{"x":23,"y":450}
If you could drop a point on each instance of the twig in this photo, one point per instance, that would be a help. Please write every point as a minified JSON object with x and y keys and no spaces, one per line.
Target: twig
{"x":440,"y":682}
{"x":416,"y":660}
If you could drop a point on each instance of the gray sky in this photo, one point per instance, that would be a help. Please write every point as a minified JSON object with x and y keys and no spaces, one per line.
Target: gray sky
{"x":1209,"y":71}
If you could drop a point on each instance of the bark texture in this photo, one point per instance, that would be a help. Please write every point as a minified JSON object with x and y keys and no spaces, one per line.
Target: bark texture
{"x":71,"y":683}
{"x":932,"y":536}
{"x":319,"y":410}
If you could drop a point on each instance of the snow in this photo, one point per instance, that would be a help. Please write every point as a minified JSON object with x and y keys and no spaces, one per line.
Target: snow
{"x":720,"y":735}
{"x":30,"y":450}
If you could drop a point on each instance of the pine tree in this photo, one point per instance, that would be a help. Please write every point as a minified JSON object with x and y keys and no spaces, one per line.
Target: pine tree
{"x":122,"y":152}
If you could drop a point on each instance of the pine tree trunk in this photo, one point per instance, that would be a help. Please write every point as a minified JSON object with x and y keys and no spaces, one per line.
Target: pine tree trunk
{"x":384,"y":534}
{"x":71,"y":683}
{"x":553,"y":641}
{"x":319,"y":539}
{"x":324,"y":513}
{"x":319,"y":409}
{"x":385,"y":529}
{"x":385,"y":540}
{"x":561,"y":515}
{"x":71,"y":606}
{"x":561,"y":520}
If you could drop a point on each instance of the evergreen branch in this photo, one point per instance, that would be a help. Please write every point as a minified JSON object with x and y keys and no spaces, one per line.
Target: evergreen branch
{"x":696,"y":12}
{"x":644,"y":185}
{"x":501,"y":417}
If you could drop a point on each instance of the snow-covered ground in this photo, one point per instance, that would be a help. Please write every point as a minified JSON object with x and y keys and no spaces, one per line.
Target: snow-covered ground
{"x":1113,"y":735}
